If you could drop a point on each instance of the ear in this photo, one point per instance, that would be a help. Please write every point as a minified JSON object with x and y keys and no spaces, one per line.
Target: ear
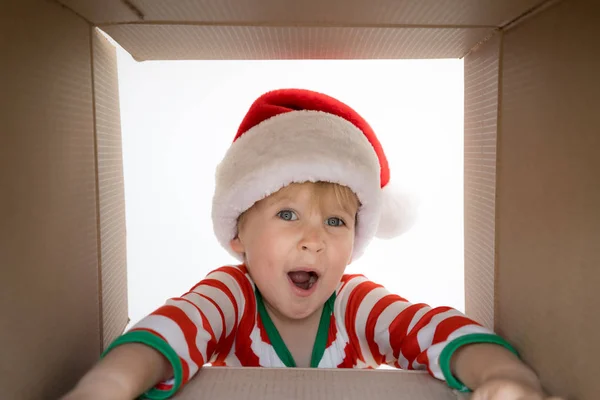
{"x":237,"y":245}
{"x":349,"y":260}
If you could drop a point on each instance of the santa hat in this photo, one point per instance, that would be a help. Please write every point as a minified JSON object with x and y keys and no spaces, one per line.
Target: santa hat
{"x":294,"y":135}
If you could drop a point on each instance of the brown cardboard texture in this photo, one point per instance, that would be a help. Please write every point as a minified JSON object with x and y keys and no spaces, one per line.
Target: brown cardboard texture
{"x":532,"y":173}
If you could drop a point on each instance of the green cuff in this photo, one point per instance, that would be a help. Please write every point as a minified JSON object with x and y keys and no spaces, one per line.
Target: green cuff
{"x":454,"y":345}
{"x":162,"y":347}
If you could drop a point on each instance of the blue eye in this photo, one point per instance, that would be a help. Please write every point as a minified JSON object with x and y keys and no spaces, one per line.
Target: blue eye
{"x":287,"y":215}
{"x":335,"y":221}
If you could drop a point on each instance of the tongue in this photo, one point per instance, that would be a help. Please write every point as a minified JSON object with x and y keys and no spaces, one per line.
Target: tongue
{"x":299,"y":276}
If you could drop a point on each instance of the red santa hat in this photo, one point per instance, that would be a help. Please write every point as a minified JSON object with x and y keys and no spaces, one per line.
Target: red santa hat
{"x":294,"y":135}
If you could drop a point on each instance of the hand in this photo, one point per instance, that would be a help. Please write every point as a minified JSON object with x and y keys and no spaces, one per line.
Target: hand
{"x":509,"y":389}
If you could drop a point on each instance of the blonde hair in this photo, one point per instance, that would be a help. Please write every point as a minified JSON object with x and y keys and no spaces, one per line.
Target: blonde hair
{"x":344,"y":196}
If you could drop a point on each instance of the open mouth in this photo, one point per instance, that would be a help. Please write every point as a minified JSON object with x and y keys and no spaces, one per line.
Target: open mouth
{"x":303,"y":279}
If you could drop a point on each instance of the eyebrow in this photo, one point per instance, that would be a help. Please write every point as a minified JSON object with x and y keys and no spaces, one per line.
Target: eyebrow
{"x":276,"y":200}
{"x":279,"y":199}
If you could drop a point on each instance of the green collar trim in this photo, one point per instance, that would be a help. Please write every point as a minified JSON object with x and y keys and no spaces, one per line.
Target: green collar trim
{"x":279,"y":345}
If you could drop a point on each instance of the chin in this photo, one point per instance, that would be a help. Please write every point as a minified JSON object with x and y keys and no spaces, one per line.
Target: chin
{"x":308,"y":310}
{"x":303,"y":313}
{"x":301,"y":316}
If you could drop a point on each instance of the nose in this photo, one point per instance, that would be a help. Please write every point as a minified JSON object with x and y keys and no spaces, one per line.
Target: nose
{"x":312,"y":240}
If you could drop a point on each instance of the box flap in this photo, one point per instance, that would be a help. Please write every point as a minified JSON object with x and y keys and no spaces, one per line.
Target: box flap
{"x":482,"y":76}
{"x":274,"y":29}
{"x":548,"y":196}
{"x":490,"y":13}
{"x":316,"y":384}
{"x":111,"y":189}
{"x":183,"y":42}
{"x":50,"y":322}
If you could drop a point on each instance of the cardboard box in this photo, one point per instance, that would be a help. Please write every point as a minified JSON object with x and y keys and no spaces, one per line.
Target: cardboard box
{"x":532,"y":173}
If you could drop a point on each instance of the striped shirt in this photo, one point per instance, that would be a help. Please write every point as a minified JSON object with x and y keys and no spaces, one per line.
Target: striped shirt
{"x":221,"y":321}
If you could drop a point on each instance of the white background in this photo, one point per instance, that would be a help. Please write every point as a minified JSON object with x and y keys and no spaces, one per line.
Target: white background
{"x":178,"y":119}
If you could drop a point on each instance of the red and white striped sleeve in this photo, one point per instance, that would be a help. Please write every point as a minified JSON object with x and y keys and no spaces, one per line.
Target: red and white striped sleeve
{"x":198,"y":327}
{"x":387,"y":329}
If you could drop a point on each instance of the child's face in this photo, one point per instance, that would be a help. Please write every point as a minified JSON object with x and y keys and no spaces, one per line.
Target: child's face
{"x":296,"y":249}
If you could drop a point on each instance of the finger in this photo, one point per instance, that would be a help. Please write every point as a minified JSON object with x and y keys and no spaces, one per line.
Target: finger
{"x":480,"y":394}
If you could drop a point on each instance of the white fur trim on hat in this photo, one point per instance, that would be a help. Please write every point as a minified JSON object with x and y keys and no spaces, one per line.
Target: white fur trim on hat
{"x":297,"y":146}
{"x":398,"y":212}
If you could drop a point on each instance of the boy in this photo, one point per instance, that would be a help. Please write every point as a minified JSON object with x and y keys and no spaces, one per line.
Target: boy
{"x":300,"y":193}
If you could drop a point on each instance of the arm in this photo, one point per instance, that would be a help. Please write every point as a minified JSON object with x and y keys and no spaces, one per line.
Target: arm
{"x":393,"y":331}
{"x":495,"y":373}
{"x":184,"y":334}
{"x":124,"y":373}
{"x":441,"y":340}
{"x":476,"y":364}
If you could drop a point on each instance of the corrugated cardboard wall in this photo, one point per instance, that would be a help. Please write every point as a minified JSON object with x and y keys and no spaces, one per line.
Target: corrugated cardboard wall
{"x":111,"y":194}
{"x":308,"y":12}
{"x":309,"y":29}
{"x":49,"y":324}
{"x":548,"y":196}
{"x":481,"y":122}
{"x":198,"y":42}
{"x":217,"y":383}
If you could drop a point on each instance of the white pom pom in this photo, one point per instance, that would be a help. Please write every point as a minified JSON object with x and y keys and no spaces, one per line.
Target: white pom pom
{"x":399,"y":210}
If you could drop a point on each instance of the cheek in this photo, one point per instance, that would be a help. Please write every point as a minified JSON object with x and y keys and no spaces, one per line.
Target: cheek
{"x":268,"y":244}
{"x":344,"y":242}
{"x":340,"y":254}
